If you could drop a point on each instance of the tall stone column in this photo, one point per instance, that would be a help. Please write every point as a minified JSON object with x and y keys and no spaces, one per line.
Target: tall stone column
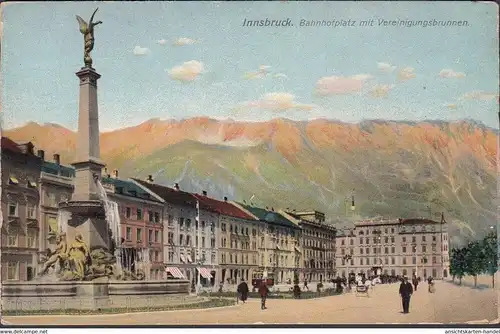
{"x":88,"y":163}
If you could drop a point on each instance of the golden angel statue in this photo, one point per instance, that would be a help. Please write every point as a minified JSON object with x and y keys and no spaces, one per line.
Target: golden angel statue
{"x":88,"y":35}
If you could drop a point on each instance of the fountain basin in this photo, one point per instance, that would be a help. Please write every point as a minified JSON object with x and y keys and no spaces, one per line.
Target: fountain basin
{"x":83,"y":208}
{"x":92,"y":295}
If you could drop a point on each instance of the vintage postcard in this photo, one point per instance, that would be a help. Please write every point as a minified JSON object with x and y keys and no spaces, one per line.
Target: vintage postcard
{"x":279,"y":162}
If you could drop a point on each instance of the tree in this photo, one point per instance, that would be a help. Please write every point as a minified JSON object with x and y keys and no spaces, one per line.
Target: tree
{"x":457,"y":263}
{"x":490,"y":255}
{"x":474,"y":260}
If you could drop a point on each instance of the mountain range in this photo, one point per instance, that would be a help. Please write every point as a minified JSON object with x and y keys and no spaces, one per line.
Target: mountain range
{"x":393,"y":169}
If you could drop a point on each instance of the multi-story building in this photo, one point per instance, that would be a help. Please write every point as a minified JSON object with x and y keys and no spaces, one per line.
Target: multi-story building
{"x":141,"y":221}
{"x":180,"y":212}
{"x":20,"y":169}
{"x":317,"y":245}
{"x":279,"y":247}
{"x":395,"y":247}
{"x":56,"y":185}
{"x":237,"y":239}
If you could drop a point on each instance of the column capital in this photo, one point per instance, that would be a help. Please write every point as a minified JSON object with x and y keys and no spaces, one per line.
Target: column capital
{"x":88,"y":75}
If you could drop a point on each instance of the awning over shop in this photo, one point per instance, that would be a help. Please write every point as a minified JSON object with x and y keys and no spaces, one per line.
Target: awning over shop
{"x":205,"y":273}
{"x":183,"y":258}
{"x":297,"y":249}
{"x":175,"y":272}
{"x":13,"y":180}
{"x":278,"y":247}
{"x":189,"y":259}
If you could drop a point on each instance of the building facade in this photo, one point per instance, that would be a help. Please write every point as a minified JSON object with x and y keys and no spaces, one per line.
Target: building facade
{"x":278,"y":244}
{"x":317,"y":245}
{"x":20,"y":199}
{"x":395,"y":247}
{"x":56,"y":185}
{"x":141,"y":221}
{"x":180,"y":214}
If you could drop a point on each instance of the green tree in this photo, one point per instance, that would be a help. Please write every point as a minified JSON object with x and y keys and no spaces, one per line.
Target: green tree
{"x":490,"y":251}
{"x":474,"y":259}
{"x":457,"y":264}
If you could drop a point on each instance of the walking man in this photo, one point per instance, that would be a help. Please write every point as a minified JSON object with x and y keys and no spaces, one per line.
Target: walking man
{"x":415,"y":282}
{"x":242,"y":291}
{"x":305,"y":284}
{"x":263,"y":291}
{"x":405,"y":291}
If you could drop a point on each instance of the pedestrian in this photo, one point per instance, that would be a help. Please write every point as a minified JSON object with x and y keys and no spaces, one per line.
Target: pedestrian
{"x":405,"y":291}
{"x":242,"y":291}
{"x":263,"y":291}
{"x":430,"y":283}
{"x":305,"y":284}
{"x":415,"y":282}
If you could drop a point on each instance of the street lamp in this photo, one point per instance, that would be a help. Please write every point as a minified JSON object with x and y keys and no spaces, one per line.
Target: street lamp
{"x":347,"y":258}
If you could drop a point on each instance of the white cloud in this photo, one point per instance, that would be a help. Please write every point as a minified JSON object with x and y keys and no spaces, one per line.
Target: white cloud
{"x":406,"y":73}
{"x":184,"y":41}
{"x":188,"y":71}
{"x":262,"y":72}
{"x":451,"y":106}
{"x":449,"y":73}
{"x":280,"y":75}
{"x":162,"y":41}
{"x":386,"y":67}
{"x":278,"y":102}
{"x":381,"y":90}
{"x":139,"y":51}
{"x":335,"y":85}
{"x":479,"y":95}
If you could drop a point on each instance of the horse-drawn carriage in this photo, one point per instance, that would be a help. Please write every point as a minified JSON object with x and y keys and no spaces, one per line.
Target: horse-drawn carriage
{"x":362,"y":290}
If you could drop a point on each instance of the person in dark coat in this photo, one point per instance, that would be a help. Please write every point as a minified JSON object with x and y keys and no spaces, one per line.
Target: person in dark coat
{"x":263,"y":291}
{"x":405,"y":291}
{"x":430,"y":283}
{"x":415,"y":282}
{"x":242,"y":291}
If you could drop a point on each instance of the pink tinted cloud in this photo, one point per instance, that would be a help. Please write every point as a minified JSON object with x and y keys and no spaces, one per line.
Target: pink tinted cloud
{"x":338,"y":85}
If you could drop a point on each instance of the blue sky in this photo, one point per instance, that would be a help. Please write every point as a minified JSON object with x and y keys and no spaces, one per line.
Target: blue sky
{"x":181,"y":60}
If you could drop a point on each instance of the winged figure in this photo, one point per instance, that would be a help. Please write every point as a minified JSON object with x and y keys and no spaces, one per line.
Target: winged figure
{"x":87,"y":29}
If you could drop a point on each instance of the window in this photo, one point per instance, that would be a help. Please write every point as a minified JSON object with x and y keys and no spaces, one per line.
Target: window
{"x":188,"y":240}
{"x":393,"y":260}
{"x":368,"y":251}
{"x":433,"y":248}
{"x":139,"y":234}
{"x":181,"y":222}
{"x":181,"y":239}
{"x":157,"y":256}
{"x":223,"y":227}
{"x":13,"y":209}
{"x":170,"y":237}
{"x":342,"y":251}
{"x":386,"y":239}
{"x":351,"y":242}
{"x":360,"y":241}
{"x":231,"y":230}
{"x":128,"y":234}
{"x":361,"y":261}
{"x":414,"y":239}
{"x":361,"y":251}
{"x":367,"y":241}
{"x":12,"y":240}
{"x":424,"y":249}
{"x":433,"y":238}
{"x":414,"y":260}
{"x":212,"y":243}
{"x":52,"y":199}
{"x":404,"y":249}
{"x":367,"y":261}
{"x":12,"y":271}
{"x":150,"y":235}
{"x":203,"y":242}
{"x":150,"y":216}
{"x":156,"y":217}
{"x":404,"y":239}
{"x":202,"y":224}
{"x":31,"y":239}
{"x":157,"y":236}
{"x":188,"y":223}
{"x":170,"y":220}
{"x":170,"y":256}
{"x":423,"y":238}
{"x":386,"y":260}
{"x":393,"y":250}
{"x":386,"y":250}
{"x":139,"y":214}
{"x":404,"y":260}
{"x":392,"y":230}
{"x":434,"y":260}
{"x":31,"y":211}
{"x":392,"y":239}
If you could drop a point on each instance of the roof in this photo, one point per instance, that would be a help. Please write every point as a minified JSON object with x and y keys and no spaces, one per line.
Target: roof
{"x":10,"y":145}
{"x":127,"y":188}
{"x":173,"y":196}
{"x":271,"y":217}
{"x":55,"y":169}
{"x":409,"y":221}
{"x":221,"y":207}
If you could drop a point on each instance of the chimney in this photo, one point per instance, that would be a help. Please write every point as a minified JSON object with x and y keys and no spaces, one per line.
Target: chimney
{"x":225,"y":199}
{"x":57,"y":159}
{"x":176,"y":186}
{"x":41,"y":154}
{"x":150,"y":179}
{"x":115,"y":173}
{"x":204,"y":192}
